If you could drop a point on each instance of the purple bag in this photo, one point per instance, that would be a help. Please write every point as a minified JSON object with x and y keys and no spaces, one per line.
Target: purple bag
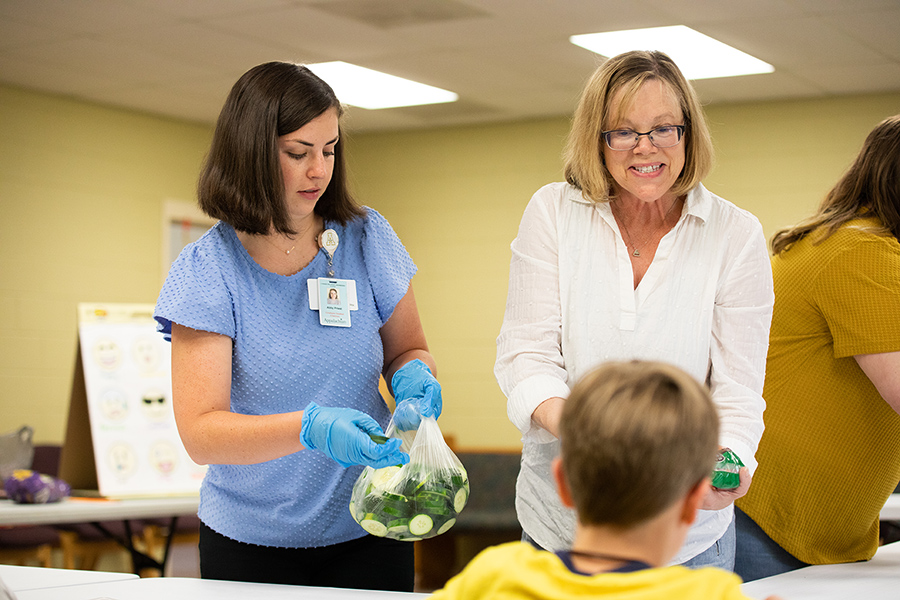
{"x":30,"y":487}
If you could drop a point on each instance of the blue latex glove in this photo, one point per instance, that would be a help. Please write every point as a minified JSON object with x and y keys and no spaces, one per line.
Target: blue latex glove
{"x":343,"y":435}
{"x":418,"y":394}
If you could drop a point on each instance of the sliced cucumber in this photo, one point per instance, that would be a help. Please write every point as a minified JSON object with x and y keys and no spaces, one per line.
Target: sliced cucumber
{"x":380,"y":478}
{"x":443,"y":528}
{"x":432,"y":496}
{"x":374,"y":527}
{"x":395,"y":511}
{"x":397,"y":531}
{"x":420,"y":524}
{"x":378,"y":439}
{"x":440,"y":508}
{"x":459,"y":501}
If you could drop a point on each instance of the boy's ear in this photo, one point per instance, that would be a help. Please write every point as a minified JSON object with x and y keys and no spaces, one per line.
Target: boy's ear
{"x":562,"y":487}
{"x":694,"y":500}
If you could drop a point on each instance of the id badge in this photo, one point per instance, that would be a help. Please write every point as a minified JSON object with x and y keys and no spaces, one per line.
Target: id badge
{"x":334,"y":302}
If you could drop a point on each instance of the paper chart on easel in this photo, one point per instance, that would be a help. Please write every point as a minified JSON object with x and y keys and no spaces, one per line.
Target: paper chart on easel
{"x":127,"y":378}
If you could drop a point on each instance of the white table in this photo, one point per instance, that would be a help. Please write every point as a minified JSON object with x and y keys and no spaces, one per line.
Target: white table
{"x":85,"y":510}
{"x":891,"y":510}
{"x":20,"y":579}
{"x":179,"y":588}
{"x":96,"y":510}
{"x":877,"y":579}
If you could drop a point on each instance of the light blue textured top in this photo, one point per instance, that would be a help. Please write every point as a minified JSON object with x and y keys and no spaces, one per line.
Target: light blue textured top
{"x":282,"y":360}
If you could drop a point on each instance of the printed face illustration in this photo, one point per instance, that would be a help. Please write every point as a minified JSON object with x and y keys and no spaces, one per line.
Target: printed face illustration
{"x":113,"y":405}
{"x":146,"y":354}
{"x":163,"y":457}
{"x":121,"y":459}
{"x":154,"y":404}
{"x":107,"y":355}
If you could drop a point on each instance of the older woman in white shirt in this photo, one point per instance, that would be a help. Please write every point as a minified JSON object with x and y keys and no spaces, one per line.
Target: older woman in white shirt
{"x":632,"y":257}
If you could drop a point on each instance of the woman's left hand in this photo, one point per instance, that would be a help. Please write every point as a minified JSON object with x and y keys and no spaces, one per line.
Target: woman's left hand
{"x":414,"y":382}
{"x":717,"y":499}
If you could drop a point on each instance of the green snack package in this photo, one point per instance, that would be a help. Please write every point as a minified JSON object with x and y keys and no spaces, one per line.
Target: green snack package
{"x":725,"y":474}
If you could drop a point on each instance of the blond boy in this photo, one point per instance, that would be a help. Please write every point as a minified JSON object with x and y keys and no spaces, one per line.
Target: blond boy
{"x":638,"y":443}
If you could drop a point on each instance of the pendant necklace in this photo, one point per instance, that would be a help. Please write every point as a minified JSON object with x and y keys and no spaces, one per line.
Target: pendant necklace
{"x":274,"y":245}
{"x":631,"y":237}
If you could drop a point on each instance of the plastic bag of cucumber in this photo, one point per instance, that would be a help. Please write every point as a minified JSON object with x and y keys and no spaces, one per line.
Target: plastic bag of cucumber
{"x":419,"y":500}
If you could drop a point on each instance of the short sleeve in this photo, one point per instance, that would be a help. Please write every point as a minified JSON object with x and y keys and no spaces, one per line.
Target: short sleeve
{"x":196,"y":292}
{"x":859,"y":296}
{"x":389,"y":266}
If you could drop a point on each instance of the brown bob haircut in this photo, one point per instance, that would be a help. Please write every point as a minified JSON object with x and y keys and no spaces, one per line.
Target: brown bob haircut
{"x":585,"y":167}
{"x":241,"y":182}
{"x":635,"y":437}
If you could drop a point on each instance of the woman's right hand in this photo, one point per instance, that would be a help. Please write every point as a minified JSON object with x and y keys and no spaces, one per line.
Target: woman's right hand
{"x":343,"y":435}
{"x":547,"y":415}
{"x":717,"y":499}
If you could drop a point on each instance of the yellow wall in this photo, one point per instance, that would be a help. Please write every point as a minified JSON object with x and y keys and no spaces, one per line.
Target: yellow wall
{"x":82,"y":188}
{"x":779,"y":159}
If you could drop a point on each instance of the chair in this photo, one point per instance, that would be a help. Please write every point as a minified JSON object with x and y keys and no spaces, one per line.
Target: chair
{"x":28,"y":545}
{"x":158,"y":538}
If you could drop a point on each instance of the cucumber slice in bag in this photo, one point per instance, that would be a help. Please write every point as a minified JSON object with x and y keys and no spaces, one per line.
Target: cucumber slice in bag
{"x":420,"y":524}
{"x":460,"y":499}
{"x":443,"y":528}
{"x":374,"y":527}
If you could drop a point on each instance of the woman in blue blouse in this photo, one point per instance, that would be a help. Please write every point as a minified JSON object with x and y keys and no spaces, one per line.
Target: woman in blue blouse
{"x":273,"y":388}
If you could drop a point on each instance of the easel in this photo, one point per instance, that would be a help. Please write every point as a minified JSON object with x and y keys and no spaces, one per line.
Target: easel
{"x":121,"y":440}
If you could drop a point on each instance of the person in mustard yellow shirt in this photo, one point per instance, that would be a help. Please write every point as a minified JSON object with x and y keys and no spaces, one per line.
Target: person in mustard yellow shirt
{"x":830,"y":454}
{"x":637,"y":445}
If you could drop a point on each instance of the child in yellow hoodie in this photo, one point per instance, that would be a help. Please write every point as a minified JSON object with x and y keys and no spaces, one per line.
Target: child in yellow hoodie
{"x":638,"y":443}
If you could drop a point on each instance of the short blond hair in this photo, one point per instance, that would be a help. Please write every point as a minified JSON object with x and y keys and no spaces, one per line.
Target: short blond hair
{"x":635,"y":438}
{"x":584,"y":164}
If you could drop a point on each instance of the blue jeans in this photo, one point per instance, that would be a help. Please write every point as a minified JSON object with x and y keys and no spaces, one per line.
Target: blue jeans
{"x":757,"y":555}
{"x":720,"y":554}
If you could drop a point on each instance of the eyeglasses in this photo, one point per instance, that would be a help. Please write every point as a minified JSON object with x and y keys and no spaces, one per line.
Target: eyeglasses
{"x":661,"y":137}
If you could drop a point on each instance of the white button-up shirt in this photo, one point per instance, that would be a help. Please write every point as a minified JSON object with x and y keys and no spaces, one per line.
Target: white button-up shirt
{"x":704,"y":304}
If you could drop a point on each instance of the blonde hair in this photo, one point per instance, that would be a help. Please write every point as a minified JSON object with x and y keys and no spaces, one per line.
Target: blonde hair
{"x":585,"y":167}
{"x":635,"y":437}
{"x":870,"y":187}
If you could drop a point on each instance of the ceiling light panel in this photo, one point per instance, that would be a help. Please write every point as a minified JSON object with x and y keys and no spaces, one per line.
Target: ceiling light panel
{"x":697,"y":55}
{"x":374,"y":90}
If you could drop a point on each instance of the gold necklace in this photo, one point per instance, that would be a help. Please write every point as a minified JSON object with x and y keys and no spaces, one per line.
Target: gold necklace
{"x":274,"y":245}
{"x":631,"y":237}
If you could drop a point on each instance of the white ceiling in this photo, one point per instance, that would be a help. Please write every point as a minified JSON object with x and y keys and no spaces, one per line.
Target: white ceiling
{"x":507,"y":59}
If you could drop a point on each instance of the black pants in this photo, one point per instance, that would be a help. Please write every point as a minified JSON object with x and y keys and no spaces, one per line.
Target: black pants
{"x":369,"y":563}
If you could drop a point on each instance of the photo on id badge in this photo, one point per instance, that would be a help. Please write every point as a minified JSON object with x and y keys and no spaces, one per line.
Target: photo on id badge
{"x":334,"y":305}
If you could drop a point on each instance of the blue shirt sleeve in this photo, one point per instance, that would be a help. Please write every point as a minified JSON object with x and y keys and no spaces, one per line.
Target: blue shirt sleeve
{"x":389,"y":266}
{"x":196,"y":292}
